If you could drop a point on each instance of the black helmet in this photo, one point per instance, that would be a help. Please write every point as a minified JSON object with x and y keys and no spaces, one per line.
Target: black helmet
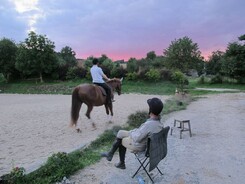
{"x":155,"y":106}
{"x":95,"y":61}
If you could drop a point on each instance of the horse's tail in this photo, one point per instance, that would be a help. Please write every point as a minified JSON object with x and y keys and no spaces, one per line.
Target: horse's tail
{"x":75,"y":107}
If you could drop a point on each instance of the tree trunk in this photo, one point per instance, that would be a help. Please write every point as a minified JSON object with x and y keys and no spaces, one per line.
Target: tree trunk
{"x":41,"y":77}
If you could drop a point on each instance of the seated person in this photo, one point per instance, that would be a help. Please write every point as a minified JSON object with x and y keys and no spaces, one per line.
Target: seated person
{"x":136,"y":139}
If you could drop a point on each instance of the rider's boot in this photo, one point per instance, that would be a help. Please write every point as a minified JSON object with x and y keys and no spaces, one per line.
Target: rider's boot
{"x":122,"y":153}
{"x":110,"y":154}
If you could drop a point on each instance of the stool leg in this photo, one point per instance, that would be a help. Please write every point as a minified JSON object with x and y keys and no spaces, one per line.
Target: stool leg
{"x":190,"y":128}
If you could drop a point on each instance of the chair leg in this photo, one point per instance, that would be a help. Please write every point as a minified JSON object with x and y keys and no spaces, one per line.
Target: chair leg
{"x":159,"y":171}
{"x":144,"y":167}
{"x":141,"y":165}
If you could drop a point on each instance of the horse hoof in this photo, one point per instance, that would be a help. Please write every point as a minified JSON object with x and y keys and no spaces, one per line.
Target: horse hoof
{"x":78,"y":130}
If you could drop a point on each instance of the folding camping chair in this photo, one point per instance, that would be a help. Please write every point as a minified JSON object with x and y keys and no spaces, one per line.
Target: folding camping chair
{"x":156,"y":151}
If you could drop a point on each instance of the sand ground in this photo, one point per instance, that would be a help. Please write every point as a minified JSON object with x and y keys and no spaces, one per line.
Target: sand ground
{"x":33,"y":127}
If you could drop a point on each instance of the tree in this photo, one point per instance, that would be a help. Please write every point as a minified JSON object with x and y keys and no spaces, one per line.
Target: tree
{"x":106,"y":65}
{"x":151,"y":55}
{"x":241,"y":38}
{"x":8,"y":51}
{"x":36,"y":56}
{"x":66,"y":60}
{"x":213,"y":66}
{"x":132,"y":65}
{"x":234,"y":61}
{"x":68,"y":55}
{"x":182,"y":54}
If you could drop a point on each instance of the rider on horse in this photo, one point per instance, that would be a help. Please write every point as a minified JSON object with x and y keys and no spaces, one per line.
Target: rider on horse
{"x":97,"y":76}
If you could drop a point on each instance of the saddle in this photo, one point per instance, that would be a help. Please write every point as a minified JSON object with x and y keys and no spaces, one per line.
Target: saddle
{"x":101,"y":89}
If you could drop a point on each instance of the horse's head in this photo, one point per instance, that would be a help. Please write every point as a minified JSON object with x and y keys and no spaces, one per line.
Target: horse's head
{"x":116,"y":85}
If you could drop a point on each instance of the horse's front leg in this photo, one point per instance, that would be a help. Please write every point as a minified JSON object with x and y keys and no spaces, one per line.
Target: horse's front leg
{"x":109,"y":109}
{"x":89,"y":109}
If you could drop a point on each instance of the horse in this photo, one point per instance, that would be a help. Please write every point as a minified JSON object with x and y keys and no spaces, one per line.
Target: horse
{"x":92,"y":95}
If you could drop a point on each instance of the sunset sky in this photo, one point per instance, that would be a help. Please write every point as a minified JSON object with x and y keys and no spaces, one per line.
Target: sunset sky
{"x":122,"y":29}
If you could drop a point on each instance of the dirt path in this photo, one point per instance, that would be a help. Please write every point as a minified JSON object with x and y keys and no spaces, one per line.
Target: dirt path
{"x":215,"y":153}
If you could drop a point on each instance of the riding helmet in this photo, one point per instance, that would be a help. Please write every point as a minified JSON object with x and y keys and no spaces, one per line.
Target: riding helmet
{"x":95,"y":61}
{"x":155,"y":106}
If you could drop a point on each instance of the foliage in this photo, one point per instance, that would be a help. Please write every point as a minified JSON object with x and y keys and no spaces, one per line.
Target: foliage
{"x":68,"y":55}
{"x":201,"y":80}
{"x":75,"y":73}
{"x":183,"y":54}
{"x":176,"y":103}
{"x":180,"y":79}
{"x":131,"y":76}
{"x":136,"y":119}
{"x":213,"y":66}
{"x":132,"y":65}
{"x":165,"y":74}
{"x":118,"y":72}
{"x":153,"y":75}
{"x":234,"y":61}
{"x":8,"y":51}
{"x":2,"y":78}
{"x":36,"y":56}
{"x":242,"y":37}
{"x":17,"y":175}
{"x":66,"y":60}
{"x":151,"y":55}
{"x":158,"y":62}
{"x":217,"y":79}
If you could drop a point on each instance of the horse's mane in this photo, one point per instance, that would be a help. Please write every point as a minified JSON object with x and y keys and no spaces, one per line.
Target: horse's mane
{"x":113,"y":80}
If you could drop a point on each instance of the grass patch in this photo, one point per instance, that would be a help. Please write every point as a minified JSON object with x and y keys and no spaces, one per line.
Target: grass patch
{"x":160,"y":88}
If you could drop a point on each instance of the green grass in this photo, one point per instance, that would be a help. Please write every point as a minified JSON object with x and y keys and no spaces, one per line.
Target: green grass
{"x":142,"y":87}
{"x":161,"y":88}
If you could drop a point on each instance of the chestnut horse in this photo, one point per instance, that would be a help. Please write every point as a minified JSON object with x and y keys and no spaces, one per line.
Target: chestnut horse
{"x":92,"y":95}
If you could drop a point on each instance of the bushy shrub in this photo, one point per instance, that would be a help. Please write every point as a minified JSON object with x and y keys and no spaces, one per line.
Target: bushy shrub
{"x":201,"y":80}
{"x":165,"y":74}
{"x":217,"y":79}
{"x":17,"y":175}
{"x":136,"y":119}
{"x":153,"y":74}
{"x":75,"y":73}
{"x":2,"y":79}
{"x":131,"y":76}
{"x":180,"y":79}
{"x":119,"y":72}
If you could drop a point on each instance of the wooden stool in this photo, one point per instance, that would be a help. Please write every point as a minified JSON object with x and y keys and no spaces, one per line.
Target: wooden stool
{"x":182,"y":126}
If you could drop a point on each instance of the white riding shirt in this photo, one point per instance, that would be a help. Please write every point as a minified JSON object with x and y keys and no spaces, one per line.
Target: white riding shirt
{"x":97,"y":73}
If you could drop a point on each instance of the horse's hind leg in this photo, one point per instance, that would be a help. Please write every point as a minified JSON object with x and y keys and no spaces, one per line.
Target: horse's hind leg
{"x":111,"y":109}
{"x":90,"y":108}
{"x":89,"y":111}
